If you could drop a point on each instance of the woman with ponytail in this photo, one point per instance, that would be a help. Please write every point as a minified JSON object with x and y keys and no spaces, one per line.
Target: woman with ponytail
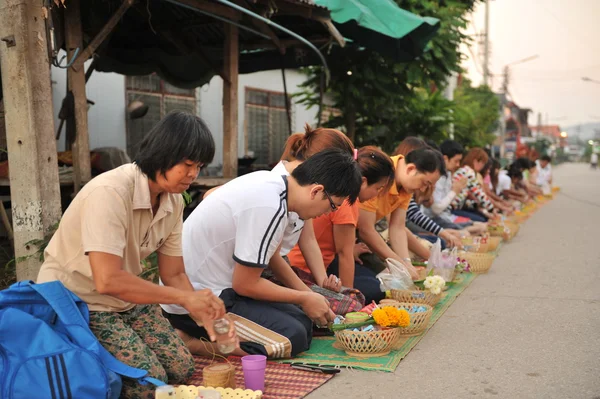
{"x":336,"y":232}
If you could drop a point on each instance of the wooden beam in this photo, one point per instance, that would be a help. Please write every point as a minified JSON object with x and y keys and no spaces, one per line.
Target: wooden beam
{"x":27,"y":90}
{"x":264,"y":28}
{"x":82,"y":172}
{"x":334,"y":32}
{"x":230,"y":101}
{"x":101,"y":36}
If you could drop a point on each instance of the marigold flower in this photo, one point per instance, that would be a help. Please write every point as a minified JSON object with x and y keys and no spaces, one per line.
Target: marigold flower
{"x":380,"y":316}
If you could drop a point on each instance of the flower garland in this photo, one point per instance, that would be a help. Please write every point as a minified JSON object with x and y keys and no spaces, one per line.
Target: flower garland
{"x":390,"y":316}
{"x":434,"y":284}
{"x":462,"y":265}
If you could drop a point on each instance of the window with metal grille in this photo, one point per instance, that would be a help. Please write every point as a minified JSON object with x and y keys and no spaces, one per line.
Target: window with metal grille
{"x":161,"y":98}
{"x":266,"y":124}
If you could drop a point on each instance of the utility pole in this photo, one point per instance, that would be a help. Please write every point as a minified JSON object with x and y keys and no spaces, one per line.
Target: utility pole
{"x":34,"y":187}
{"x":506,"y":80}
{"x":486,"y":46}
{"x":505,"y":92}
{"x":448,"y":93}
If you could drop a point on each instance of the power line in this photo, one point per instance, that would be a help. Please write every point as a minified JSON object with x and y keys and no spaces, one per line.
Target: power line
{"x":562,"y":70}
{"x":537,"y":79}
{"x":477,"y":66}
{"x":563,"y":25}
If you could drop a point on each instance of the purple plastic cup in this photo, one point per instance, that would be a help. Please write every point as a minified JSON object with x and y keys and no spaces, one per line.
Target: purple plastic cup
{"x":254,"y":372}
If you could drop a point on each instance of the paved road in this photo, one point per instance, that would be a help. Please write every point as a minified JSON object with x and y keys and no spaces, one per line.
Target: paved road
{"x":530,"y":328}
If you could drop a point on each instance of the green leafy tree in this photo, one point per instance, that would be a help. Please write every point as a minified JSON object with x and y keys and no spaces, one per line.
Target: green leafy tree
{"x":381,"y":99}
{"x":476,"y":114}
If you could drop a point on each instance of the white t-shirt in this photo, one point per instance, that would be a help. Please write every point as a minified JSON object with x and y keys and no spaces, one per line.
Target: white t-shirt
{"x":295,"y":224}
{"x":544,"y":174}
{"x":594,"y":158}
{"x":241,"y":222}
{"x":504,"y":182}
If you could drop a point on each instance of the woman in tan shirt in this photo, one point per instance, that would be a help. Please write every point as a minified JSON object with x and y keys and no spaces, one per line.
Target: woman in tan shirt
{"x":116,"y":221}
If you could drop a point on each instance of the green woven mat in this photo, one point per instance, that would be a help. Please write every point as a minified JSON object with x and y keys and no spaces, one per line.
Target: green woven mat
{"x":322,"y":351}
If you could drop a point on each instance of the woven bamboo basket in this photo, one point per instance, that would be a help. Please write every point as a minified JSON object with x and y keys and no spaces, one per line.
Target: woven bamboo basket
{"x":219,"y":375}
{"x":513,"y":230}
{"x":518,"y":218}
{"x":475,"y":244}
{"x":496,"y":231}
{"x":418,"y":321}
{"x":389,"y":302}
{"x":367,"y":343}
{"x":415,"y":296}
{"x":493,"y":243}
{"x":478,"y":262}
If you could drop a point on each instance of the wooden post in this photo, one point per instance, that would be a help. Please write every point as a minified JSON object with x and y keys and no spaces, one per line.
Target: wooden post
{"x":82,"y":172}
{"x":230,"y":102}
{"x":34,"y":187}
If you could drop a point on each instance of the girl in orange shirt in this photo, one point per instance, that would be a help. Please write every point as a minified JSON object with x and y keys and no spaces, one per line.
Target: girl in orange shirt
{"x":336,"y":232}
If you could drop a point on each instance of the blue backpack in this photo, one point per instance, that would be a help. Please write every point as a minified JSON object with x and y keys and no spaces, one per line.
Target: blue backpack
{"x":47,"y":349}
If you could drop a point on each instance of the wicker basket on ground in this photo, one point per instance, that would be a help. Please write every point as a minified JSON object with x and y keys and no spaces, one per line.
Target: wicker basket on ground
{"x":478,"y":262}
{"x":493,"y":243}
{"x":475,"y":244}
{"x":418,"y":321}
{"x":496,"y":230}
{"x":513,"y":229}
{"x":367,"y":343}
{"x":416,"y":296}
{"x":518,"y":218}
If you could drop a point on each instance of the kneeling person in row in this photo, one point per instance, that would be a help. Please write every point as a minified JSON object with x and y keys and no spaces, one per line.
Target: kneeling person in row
{"x":230,"y":237}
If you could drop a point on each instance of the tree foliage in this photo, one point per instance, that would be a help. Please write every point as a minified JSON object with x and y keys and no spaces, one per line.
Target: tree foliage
{"x":475,"y":116}
{"x":382,"y":101}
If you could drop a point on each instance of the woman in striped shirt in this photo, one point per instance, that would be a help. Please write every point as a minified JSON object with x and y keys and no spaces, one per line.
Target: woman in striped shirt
{"x":473,"y":195}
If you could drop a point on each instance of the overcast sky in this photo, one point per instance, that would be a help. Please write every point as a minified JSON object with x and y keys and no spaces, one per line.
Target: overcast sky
{"x":566,"y":36}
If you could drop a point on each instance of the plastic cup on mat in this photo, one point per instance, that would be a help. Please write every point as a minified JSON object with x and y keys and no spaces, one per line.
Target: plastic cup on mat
{"x":254,"y":372}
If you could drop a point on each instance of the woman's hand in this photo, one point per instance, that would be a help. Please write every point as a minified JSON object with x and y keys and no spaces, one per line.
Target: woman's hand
{"x":332,"y":283}
{"x":205,"y":307}
{"x":452,"y":237}
{"x":359,"y":249}
{"x":413,"y":271}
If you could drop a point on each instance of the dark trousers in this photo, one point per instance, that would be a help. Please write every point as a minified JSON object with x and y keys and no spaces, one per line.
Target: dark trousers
{"x":471,"y":214}
{"x":283,"y":318}
{"x":365,"y":280}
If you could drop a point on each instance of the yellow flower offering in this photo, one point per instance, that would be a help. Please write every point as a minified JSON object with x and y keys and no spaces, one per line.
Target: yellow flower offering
{"x":381,"y":317}
{"x":390,"y":316}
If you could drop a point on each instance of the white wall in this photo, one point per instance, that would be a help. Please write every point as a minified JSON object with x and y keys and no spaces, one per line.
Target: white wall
{"x":106,"y":119}
{"x":107,"y":126}
{"x":211,"y":106}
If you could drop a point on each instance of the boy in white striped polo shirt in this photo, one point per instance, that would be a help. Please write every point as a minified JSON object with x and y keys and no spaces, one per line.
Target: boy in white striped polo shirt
{"x":230,"y":237}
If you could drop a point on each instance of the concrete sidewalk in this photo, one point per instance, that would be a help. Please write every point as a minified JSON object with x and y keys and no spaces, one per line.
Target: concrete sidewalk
{"x":530,"y":328}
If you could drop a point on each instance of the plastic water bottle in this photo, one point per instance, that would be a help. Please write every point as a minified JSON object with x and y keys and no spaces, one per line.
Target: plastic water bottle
{"x":224,"y":343}
{"x":165,"y":392}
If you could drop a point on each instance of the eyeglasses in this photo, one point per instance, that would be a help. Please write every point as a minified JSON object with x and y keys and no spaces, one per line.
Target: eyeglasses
{"x":333,"y":206}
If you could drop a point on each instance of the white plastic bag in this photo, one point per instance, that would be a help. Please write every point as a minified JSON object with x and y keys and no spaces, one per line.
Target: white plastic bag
{"x":442,"y":262}
{"x":395,"y":277}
